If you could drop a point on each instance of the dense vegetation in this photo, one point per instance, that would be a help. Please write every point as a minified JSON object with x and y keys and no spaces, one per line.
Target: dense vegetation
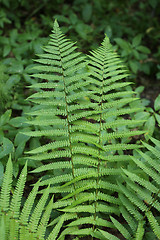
{"x":133,"y":28}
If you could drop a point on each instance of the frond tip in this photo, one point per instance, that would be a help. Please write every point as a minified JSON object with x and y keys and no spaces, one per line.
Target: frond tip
{"x":106,"y":42}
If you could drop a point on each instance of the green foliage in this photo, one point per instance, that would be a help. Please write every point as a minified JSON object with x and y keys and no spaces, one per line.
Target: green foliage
{"x":29,"y":220}
{"x":87,"y":105}
{"x":86,"y":119}
{"x":135,"y":54}
{"x":25,"y":26}
{"x":140,"y":191}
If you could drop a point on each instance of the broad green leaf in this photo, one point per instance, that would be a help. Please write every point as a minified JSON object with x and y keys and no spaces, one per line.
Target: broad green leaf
{"x":143,"y":49}
{"x":123,"y":44}
{"x":17,"y":67}
{"x":13,"y":80}
{"x":20,"y":138}
{"x":149,"y":126}
{"x":133,"y":65}
{"x":139,"y":89}
{"x":6,"y":50}
{"x":5,"y":117}
{"x":18,"y":122}
{"x":157,"y":118}
{"x":157,"y":103}
{"x":136,"y":40}
{"x":6,"y":147}
{"x":142,"y":116}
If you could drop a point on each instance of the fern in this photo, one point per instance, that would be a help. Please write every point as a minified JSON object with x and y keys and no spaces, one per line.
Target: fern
{"x":101,"y":76}
{"x":63,"y":71}
{"x":6,"y":187}
{"x":80,"y":108}
{"x":141,"y":193}
{"x":103,"y":182}
{"x":81,"y":115}
{"x":29,"y":221}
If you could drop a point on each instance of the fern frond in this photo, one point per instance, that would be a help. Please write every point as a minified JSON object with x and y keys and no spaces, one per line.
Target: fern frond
{"x":34,"y":221}
{"x":24,"y":217}
{"x":44,"y":220}
{"x":106,"y":235}
{"x":54,"y":154}
{"x":129,"y":219}
{"x":130,"y":207}
{"x":142,"y":189}
{"x":91,"y":220}
{"x":149,"y":171}
{"x":17,"y":224}
{"x":154,"y":224}
{"x":118,"y":123}
{"x":153,"y":150}
{"x":134,"y":199}
{"x":141,"y":181}
{"x":17,"y":195}
{"x":121,"y":228}
{"x":50,"y":166}
{"x":68,"y":231}
{"x":140,"y":231}
{"x":151,"y":161}
{"x":6,"y":187}
{"x":55,"y":231}
{"x":50,"y":146}
{"x":67,"y":216}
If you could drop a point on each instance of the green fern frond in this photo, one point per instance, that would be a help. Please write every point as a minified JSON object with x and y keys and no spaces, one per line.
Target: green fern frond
{"x":54,"y":154}
{"x":105,"y":235}
{"x":148,"y":185}
{"x":33,"y":224}
{"x":118,"y":123}
{"x":57,"y":179}
{"x":16,"y":224}
{"x":90,"y":220}
{"x":24,"y":217}
{"x":50,"y":166}
{"x":154,"y":224}
{"x":151,"y":161}
{"x":68,"y":231}
{"x":148,"y":170}
{"x":121,"y":228}
{"x":133,"y":198}
{"x":128,"y":218}
{"x":130,"y":207}
{"x":141,"y":189}
{"x":17,"y":195}
{"x":145,"y":195}
{"x":67,"y":216}
{"x":50,"y":146}
{"x":119,"y":112}
{"x":140,"y":231}
{"x":153,"y":150}
{"x":56,"y":230}
{"x":6,"y":187}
